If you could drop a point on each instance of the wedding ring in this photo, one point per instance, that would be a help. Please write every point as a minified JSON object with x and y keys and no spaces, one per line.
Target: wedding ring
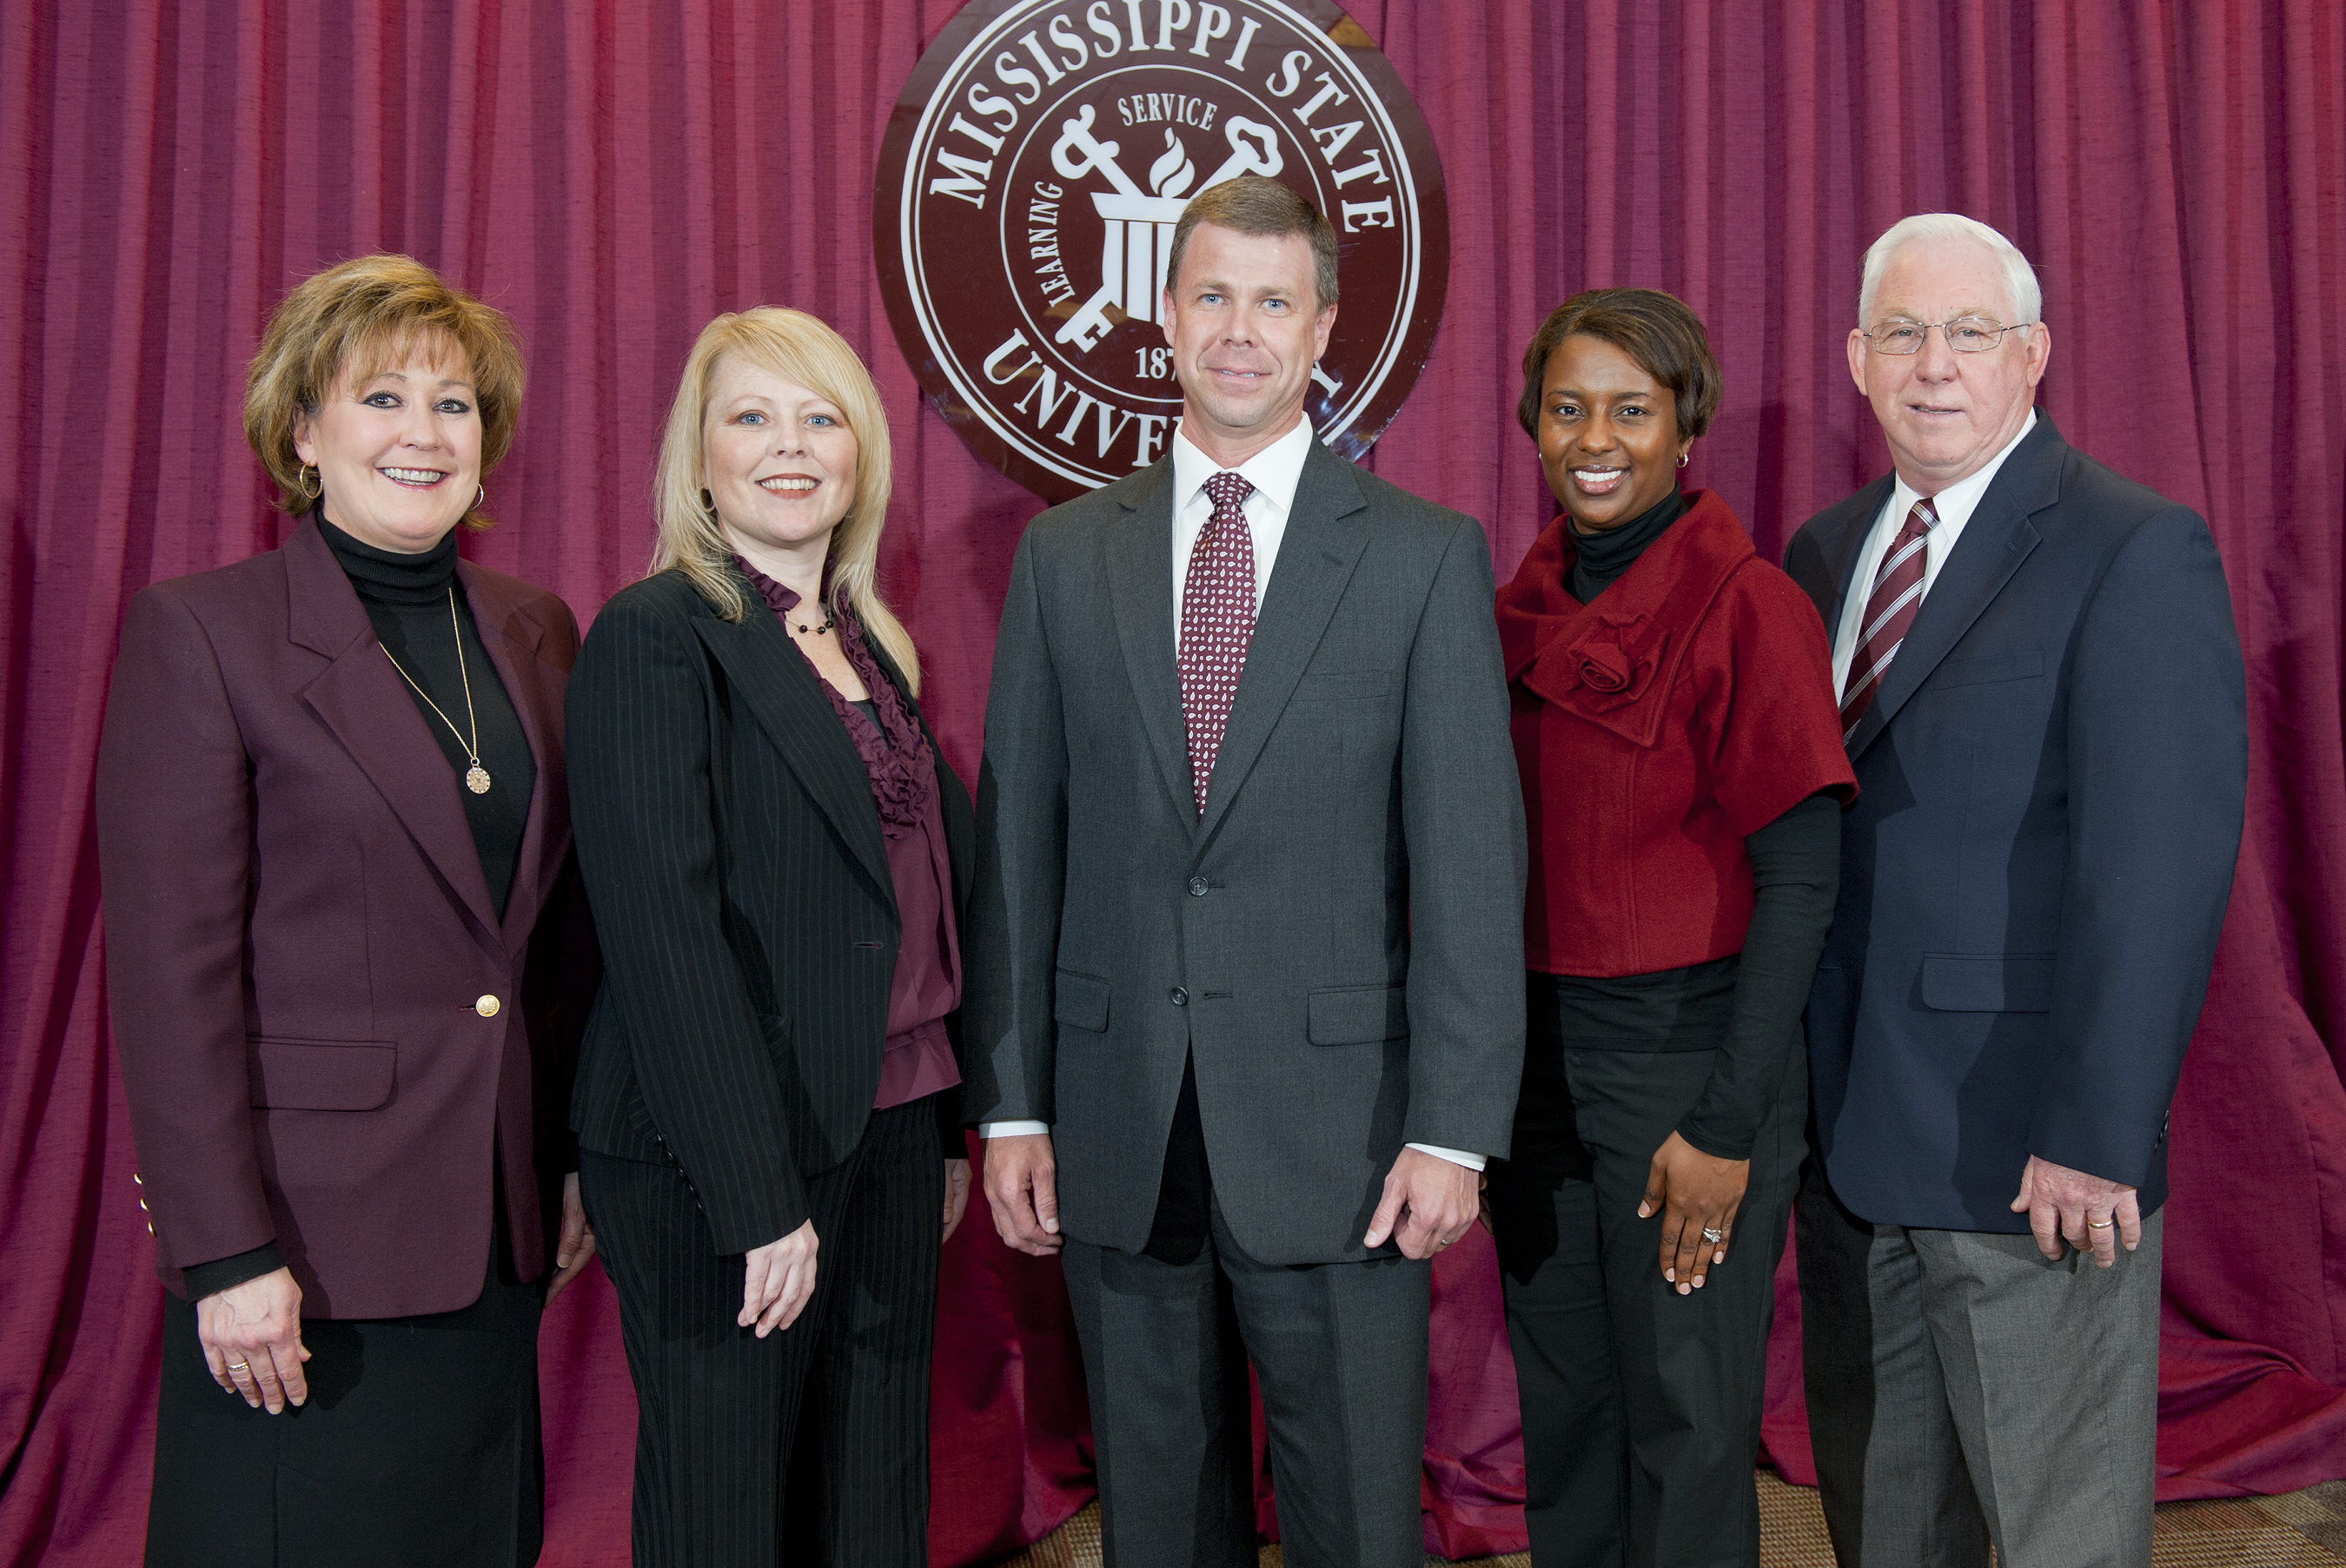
{"x":1710,"y":1235}
{"x":2097,"y":1224}
{"x":238,"y":1366}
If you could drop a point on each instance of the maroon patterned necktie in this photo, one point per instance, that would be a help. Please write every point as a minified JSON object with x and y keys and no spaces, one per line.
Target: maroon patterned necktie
{"x":1217,"y":624}
{"x":1897,"y":595}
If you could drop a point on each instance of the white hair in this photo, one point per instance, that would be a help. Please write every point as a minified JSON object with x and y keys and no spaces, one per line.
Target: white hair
{"x":2027,"y":301}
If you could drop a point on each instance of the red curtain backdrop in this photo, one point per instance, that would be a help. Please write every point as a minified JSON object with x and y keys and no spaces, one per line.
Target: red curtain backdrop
{"x":613,"y":172}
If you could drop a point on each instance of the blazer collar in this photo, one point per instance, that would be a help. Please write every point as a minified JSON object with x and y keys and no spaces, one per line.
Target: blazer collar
{"x":1139,"y":547}
{"x":361,"y":699}
{"x":1993,"y":543}
{"x":1614,"y":661}
{"x":1316,"y":560}
{"x":783,"y":693}
{"x":513,"y":636}
{"x":1839,"y":540}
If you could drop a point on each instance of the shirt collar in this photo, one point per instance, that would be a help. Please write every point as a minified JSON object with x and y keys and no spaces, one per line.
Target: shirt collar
{"x":1953,"y":506}
{"x":1274,"y":472}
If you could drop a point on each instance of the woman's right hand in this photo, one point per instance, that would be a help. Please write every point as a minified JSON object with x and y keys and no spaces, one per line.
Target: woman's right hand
{"x":251,"y":1336}
{"x":778,"y":1281}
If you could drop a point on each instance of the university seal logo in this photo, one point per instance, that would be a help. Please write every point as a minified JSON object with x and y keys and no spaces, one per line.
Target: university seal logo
{"x":1030,"y":179}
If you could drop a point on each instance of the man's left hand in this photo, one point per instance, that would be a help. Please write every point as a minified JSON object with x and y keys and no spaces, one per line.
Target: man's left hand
{"x":2085,"y":1211}
{"x":1430,"y":1200}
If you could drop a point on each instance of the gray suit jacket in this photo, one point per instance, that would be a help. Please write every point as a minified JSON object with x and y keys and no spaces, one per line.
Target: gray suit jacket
{"x":1338,"y":940}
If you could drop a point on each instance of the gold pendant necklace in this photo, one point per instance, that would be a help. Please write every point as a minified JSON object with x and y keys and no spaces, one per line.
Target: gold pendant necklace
{"x":476,"y":778}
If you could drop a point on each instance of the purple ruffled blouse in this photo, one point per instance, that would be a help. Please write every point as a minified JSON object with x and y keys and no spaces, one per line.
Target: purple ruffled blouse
{"x":918,"y":1058}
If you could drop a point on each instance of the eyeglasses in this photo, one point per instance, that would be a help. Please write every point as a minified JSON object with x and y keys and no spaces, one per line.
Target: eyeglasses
{"x":1965,"y":334}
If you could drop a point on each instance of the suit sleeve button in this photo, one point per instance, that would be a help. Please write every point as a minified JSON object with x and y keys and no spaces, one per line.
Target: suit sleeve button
{"x":1197,"y":887}
{"x":486,"y":1006}
{"x":1178,"y":997}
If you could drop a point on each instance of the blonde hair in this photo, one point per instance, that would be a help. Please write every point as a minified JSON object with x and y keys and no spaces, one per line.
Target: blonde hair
{"x":797,"y":347}
{"x":360,"y":317}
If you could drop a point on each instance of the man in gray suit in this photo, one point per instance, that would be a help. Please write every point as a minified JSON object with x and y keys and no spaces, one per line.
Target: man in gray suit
{"x":1245,"y":1013}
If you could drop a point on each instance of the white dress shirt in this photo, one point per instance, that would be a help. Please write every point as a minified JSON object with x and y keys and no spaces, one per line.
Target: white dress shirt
{"x":1274,"y":472}
{"x":1955,"y":505}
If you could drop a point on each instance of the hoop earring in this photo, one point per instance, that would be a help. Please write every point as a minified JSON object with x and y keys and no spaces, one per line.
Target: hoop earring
{"x":480,"y":496}
{"x":308,"y":470}
{"x":1682,"y":458}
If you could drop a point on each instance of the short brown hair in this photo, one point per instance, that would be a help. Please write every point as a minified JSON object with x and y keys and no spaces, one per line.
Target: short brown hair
{"x":358,"y":317}
{"x":1258,"y":205}
{"x":1653,"y":329}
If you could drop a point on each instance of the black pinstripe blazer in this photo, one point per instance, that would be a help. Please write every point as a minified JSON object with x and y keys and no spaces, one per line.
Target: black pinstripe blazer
{"x":733,"y":858}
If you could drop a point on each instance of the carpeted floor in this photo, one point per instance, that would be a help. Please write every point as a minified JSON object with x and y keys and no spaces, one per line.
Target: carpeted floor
{"x":2301,"y":1529}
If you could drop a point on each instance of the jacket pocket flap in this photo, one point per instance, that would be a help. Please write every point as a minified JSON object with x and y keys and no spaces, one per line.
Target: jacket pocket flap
{"x":2015,"y":664}
{"x":1359,"y":1015}
{"x":1080,"y":1001}
{"x":321,"y":1074}
{"x":1987,"y":982}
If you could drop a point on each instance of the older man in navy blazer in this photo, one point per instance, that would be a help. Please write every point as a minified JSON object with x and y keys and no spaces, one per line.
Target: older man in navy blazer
{"x":2042,"y":694}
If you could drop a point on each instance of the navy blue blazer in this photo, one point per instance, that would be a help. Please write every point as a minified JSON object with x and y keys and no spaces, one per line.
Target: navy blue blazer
{"x":2051,"y":781}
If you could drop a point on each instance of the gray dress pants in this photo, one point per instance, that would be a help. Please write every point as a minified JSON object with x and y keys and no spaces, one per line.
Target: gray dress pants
{"x":1339,"y":1350}
{"x":1964,"y":1391}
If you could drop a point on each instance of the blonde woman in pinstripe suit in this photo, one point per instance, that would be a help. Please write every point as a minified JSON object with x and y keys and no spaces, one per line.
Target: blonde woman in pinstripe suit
{"x":778,"y":856}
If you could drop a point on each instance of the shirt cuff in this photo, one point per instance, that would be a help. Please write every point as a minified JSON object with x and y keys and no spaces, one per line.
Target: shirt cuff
{"x":1011,"y":1129}
{"x":227,"y":1273}
{"x":1472,"y":1161}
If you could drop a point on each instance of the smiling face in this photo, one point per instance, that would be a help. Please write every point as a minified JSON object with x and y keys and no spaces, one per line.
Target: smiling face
{"x":399,"y":453}
{"x":1609,"y":434}
{"x":780,"y":461}
{"x":1946,"y":413}
{"x":1245,"y":330}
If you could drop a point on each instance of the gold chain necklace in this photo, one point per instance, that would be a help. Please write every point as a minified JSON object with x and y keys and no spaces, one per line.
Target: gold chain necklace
{"x":476,"y":778}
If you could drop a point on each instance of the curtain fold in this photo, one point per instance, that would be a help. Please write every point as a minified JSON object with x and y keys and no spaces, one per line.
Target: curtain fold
{"x":613,"y":175}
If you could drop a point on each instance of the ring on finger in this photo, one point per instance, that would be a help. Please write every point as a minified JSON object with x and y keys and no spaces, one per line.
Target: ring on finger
{"x":2100,"y":1224}
{"x":238,"y":1366}
{"x":1712,"y":1235}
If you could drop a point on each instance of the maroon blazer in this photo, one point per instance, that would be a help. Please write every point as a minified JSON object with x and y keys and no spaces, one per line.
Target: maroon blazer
{"x":324,"y":1028}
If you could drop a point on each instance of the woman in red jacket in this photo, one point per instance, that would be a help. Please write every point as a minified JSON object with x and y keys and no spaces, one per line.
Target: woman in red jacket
{"x":1682,"y":770}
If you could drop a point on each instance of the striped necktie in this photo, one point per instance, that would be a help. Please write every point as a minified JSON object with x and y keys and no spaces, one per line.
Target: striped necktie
{"x":1888,"y":612}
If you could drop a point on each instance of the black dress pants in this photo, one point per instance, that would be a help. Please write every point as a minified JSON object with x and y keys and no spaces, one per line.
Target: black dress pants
{"x":807,"y":1446}
{"x":419,"y":1443}
{"x":1640,"y":1407}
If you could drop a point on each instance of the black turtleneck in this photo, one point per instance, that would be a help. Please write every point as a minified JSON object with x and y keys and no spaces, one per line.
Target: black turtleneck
{"x":408,"y":599}
{"x":1603,"y":555}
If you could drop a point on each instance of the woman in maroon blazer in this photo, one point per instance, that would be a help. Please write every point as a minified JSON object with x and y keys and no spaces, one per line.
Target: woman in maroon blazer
{"x":342,"y":917}
{"x":1682,"y":767}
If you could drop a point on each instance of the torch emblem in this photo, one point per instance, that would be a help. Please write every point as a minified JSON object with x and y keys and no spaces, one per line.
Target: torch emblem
{"x":1136,"y":247}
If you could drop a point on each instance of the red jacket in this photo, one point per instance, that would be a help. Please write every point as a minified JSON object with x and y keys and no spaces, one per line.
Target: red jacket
{"x":1691,"y":705}
{"x":324,"y":1027}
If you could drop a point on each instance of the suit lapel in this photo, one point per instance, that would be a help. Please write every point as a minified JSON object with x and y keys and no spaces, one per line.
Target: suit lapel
{"x":786,"y":697}
{"x":1993,"y":543}
{"x":1316,"y":557}
{"x":361,"y":700}
{"x":535,"y":688}
{"x":1839,"y":547}
{"x":1139,"y":547}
